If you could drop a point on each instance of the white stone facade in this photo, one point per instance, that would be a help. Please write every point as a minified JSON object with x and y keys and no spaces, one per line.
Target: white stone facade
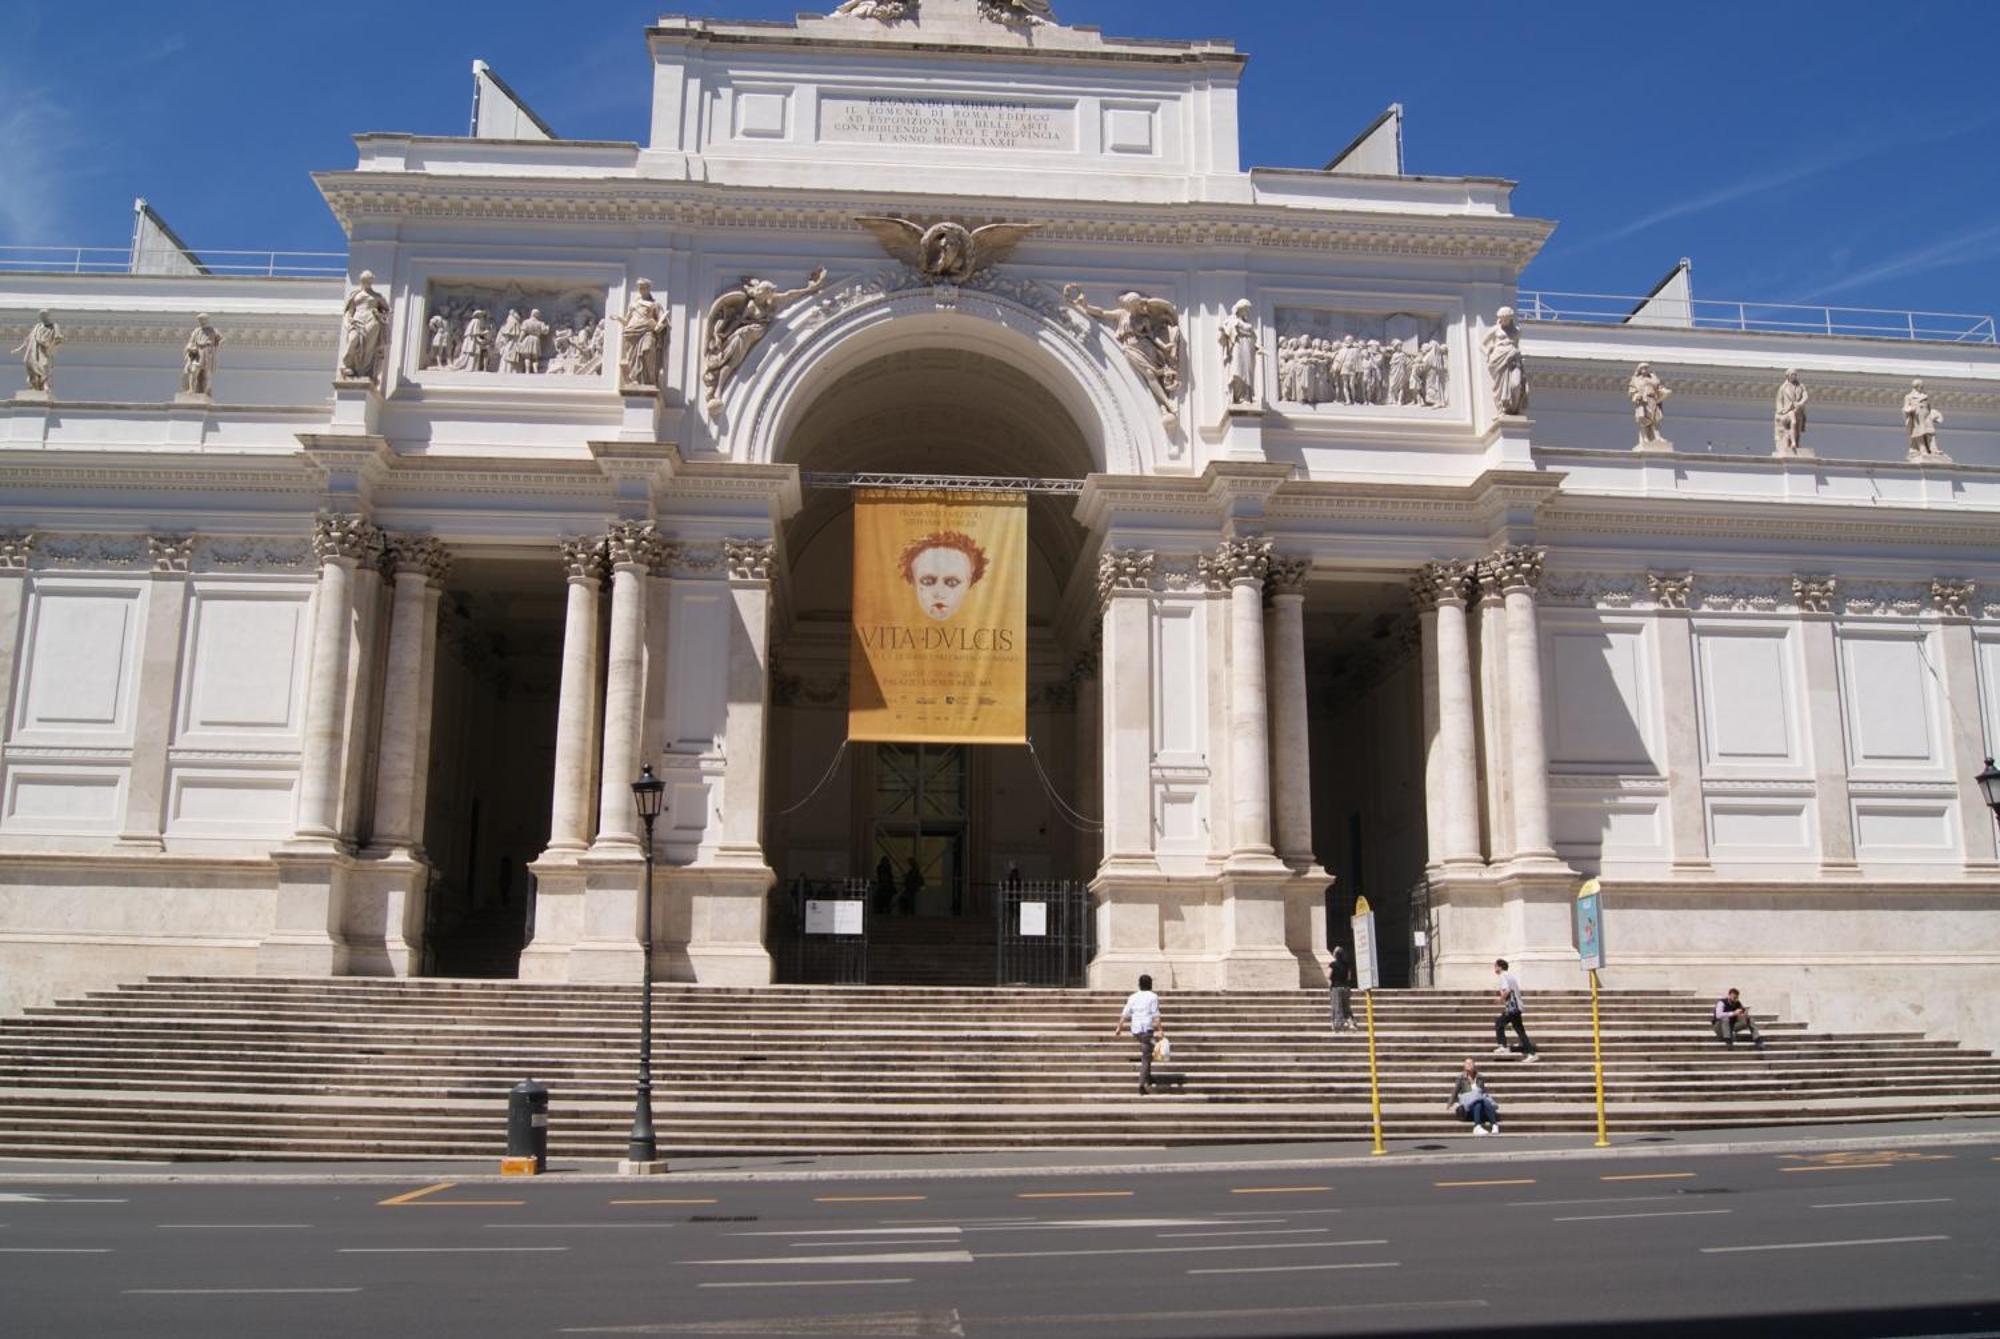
{"x":288,"y":657}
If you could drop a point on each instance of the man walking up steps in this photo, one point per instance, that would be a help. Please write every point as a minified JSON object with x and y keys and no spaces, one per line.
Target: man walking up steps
{"x":1510,"y":1014}
{"x":1142,"y":1015}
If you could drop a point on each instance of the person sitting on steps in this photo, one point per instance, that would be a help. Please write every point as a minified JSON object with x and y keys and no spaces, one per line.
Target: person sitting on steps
{"x":1471,"y":1102}
{"x":1732,"y":1015}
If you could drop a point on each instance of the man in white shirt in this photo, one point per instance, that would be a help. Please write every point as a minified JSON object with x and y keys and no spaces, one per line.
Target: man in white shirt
{"x":1142,"y":1015}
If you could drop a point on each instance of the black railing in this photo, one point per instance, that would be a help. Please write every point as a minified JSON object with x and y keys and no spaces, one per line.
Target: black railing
{"x":820,"y":929}
{"x":1045,"y":933}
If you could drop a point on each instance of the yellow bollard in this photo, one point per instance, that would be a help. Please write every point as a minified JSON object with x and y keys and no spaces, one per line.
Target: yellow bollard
{"x":1597,"y":1055}
{"x":1374,"y":1079}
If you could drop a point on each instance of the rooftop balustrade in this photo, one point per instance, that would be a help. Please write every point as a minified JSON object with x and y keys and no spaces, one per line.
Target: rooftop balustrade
{"x":1772,"y":318}
{"x":123,"y":260}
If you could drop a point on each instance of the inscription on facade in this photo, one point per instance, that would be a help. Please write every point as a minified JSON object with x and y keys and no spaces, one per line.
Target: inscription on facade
{"x":956,"y":122}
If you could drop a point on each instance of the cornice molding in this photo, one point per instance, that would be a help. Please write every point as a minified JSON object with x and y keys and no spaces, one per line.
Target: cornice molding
{"x":1860,"y":390}
{"x":288,"y":331}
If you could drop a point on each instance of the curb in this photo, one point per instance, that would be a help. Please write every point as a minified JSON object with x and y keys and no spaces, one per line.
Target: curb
{"x":1395,"y":1158}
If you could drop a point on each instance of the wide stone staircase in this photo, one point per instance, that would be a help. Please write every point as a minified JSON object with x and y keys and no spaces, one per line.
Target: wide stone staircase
{"x":185,"y":1067}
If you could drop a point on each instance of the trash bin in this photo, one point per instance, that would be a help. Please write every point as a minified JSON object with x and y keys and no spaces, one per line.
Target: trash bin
{"x":527,"y":1130}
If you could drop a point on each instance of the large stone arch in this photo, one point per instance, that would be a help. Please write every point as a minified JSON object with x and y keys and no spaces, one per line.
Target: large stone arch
{"x":860,"y":322}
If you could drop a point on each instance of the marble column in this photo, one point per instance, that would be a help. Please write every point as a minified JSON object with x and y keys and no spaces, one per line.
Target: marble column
{"x":630,"y":550}
{"x":1518,"y":569}
{"x":1124,"y":587}
{"x":1825,"y":722}
{"x":1451,"y":768}
{"x":1244,"y":563}
{"x":420,"y":565}
{"x":576,"y":702}
{"x":15,"y":548}
{"x":1951,"y":602}
{"x":1496,"y":753}
{"x":159,"y":677}
{"x":1291,"y":760}
{"x":342,"y":544}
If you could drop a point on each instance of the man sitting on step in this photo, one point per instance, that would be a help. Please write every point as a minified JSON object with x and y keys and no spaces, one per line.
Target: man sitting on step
{"x":1732,"y":1016}
{"x":1470,"y":1101}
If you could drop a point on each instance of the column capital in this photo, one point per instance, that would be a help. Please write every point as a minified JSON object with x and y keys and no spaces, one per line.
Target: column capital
{"x":1288,"y":575}
{"x":582,"y":559}
{"x":749,"y":559}
{"x":15,"y":548}
{"x":1440,"y":583}
{"x":1952,"y":596}
{"x":343,"y":537}
{"x":171,"y":554}
{"x":418,"y":554}
{"x":1671,"y":590}
{"x":1245,"y":561}
{"x":632,"y":544}
{"x":1123,"y":570}
{"x":1514,"y":567}
{"x":1814,"y":591}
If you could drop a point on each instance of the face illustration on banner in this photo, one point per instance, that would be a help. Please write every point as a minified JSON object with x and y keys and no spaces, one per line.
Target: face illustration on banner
{"x":941,"y":567}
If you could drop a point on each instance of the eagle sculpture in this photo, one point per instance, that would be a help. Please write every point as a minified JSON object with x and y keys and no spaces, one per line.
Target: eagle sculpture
{"x":946,"y":253}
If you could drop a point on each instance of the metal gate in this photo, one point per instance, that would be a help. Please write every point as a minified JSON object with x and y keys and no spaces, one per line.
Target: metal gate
{"x":1046,"y":933}
{"x":830,"y":934}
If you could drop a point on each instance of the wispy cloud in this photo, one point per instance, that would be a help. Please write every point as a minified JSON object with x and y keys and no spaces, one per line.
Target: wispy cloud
{"x":38,"y":143}
{"x":1979,"y":242}
{"x":1778,"y":177}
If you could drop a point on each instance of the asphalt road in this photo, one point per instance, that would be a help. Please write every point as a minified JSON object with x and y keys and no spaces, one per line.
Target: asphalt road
{"x":1850,"y":1242}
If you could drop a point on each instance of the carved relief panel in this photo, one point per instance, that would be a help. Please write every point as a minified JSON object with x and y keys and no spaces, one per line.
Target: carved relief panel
{"x":1352,"y":358}
{"x":514,"y":327}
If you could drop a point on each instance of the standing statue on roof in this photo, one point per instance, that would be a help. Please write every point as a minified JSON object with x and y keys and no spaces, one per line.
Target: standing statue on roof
{"x":1789,"y":416}
{"x":1505,"y":364}
{"x":1017,"y":11}
{"x":1648,"y":395}
{"x":364,"y":332}
{"x":1239,"y":354}
{"x":1921,"y":422}
{"x":38,"y":352}
{"x":198,"y":358}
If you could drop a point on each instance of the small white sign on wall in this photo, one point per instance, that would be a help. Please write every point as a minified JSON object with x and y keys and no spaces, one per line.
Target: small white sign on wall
{"x":1034,"y":919}
{"x":834,"y":917}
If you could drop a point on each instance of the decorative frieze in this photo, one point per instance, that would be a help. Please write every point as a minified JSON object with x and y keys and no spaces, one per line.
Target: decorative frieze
{"x":171,"y":553}
{"x":1748,"y":595}
{"x":749,"y":559}
{"x":514,"y":327}
{"x":1952,"y":597}
{"x":255,"y":555}
{"x":1814,"y":592}
{"x":339,"y":536}
{"x":1362,"y":358}
{"x":92,"y":552}
{"x":1901,"y":599}
{"x":1670,"y":590}
{"x":419,"y":553}
{"x":16,"y":547}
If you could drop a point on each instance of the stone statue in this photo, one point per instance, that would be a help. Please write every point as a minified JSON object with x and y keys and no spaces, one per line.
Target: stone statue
{"x":364,"y":333}
{"x":438,"y":350}
{"x":643,"y":341}
{"x":1239,"y":354}
{"x":737,"y":321}
{"x":1648,"y":395}
{"x":1504,"y":364}
{"x":1148,"y":332}
{"x":1431,"y":364}
{"x":888,"y":11}
{"x":38,"y":352}
{"x":1017,"y":11}
{"x":1789,"y":418}
{"x":475,"y":345}
{"x":531,"y":343}
{"x":506,"y":339}
{"x":947,"y":252}
{"x":1921,"y":422}
{"x":198,"y":355}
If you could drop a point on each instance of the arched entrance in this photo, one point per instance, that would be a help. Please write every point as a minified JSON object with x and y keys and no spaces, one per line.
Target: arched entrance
{"x":964,"y":818}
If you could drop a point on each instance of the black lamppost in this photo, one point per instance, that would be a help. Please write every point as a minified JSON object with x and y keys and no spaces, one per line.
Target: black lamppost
{"x":1989,"y":786}
{"x":648,"y":792}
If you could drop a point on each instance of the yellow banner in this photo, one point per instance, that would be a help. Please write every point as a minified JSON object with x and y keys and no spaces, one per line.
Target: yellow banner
{"x":940,"y":646}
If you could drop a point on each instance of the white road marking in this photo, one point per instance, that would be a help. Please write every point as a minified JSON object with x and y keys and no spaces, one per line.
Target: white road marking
{"x":55,"y":1250}
{"x":1098,"y":1224}
{"x":886,"y":1258}
{"x":235,"y":1227}
{"x":1017,"y":1218}
{"x":1265,"y":1215}
{"x":1815,"y":1245}
{"x":823,"y":1245}
{"x":18,"y":1198}
{"x":807,"y":1283}
{"x":1879,"y":1204}
{"x":1657,"y":1213}
{"x":857,"y":1232}
{"x":1179,"y":1250}
{"x":565,"y":1227}
{"x":1250,"y":1232}
{"x":231,"y":1292}
{"x":1594,"y":1199}
{"x":1300,"y":1269}
{"x":446,"y":1250}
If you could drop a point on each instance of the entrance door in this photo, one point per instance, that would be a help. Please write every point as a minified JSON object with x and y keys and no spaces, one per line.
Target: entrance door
{"x":920,"y":823}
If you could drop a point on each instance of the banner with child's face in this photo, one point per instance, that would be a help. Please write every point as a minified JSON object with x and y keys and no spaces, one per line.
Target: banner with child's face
{"x":940,"y":646}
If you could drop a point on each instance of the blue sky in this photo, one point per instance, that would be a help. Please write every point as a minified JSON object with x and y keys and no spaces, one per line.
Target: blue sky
{"x":1835,"y":151}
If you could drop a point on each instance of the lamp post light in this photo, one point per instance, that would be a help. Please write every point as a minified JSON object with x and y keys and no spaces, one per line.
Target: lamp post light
{"x":1989,"y":787}
{"x":642,"y":1151}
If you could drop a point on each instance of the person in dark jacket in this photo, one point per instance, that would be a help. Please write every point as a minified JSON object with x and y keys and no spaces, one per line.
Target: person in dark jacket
{"x":1340,"y":991}
{"x":1471,"y":1102}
